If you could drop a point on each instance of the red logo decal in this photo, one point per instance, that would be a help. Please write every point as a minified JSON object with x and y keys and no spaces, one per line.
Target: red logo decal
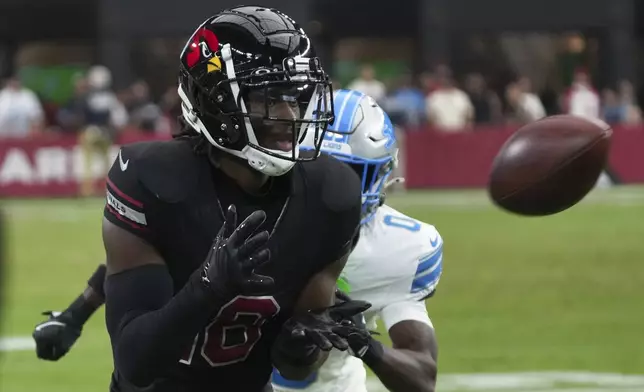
{"x":203,"y":46}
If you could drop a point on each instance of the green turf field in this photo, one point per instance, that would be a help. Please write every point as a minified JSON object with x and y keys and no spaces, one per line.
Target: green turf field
{"x":563,"y":293}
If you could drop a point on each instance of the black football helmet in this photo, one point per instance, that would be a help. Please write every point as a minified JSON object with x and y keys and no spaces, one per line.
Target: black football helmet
{"x":251,"y":84}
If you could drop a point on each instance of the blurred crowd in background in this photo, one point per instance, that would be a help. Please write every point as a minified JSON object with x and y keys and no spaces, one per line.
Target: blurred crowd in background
{"x":438,"y":99}
{"x":447,"y":104}
{"x":94,"y":103}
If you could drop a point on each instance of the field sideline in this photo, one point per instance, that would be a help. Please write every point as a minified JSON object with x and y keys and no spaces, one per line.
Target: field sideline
{"x":559,"y":295}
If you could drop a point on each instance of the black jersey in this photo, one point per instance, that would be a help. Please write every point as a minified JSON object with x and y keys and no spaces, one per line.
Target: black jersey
{"x":174,"y":199}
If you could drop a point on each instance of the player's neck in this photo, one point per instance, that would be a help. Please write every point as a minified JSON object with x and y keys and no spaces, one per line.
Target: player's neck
{"x":248,"y":179}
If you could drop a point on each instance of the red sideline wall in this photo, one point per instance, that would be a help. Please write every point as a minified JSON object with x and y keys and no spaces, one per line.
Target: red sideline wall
{"x":463,"y":160}
{"x":50,"y":166}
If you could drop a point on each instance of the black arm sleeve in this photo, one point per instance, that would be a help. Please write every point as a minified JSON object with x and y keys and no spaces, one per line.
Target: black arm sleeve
{"x":149,"y":327}
{"x":97,"y":280}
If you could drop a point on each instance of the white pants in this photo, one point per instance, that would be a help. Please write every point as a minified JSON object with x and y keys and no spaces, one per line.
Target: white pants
{"x":341,"y":373}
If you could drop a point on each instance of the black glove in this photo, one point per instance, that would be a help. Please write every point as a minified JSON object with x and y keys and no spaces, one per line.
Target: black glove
{"x":303,"y":336}
{"x":357,"y":319}
{"x":236,"y":252}
{"x":55,"y":336}
{"x":361,"y":343}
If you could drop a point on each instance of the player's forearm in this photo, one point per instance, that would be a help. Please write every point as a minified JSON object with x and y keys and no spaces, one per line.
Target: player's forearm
{"x":84,"y":306}
{"x":149,"y":327}
{"x":90,"y":300}
{"x":406,"y":371}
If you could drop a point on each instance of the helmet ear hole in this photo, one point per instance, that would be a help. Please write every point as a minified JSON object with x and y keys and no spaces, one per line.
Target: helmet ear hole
{"x":220,"y":125}
{"x":225,"y":129}
{"x":234,"y":133}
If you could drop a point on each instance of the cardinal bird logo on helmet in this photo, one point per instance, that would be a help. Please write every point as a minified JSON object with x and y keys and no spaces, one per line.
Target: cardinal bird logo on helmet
{"x":202,"y":47}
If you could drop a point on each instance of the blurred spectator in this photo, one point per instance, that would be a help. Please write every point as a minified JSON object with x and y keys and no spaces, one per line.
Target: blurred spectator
{"x":613,"y":111}
{"x":530,"y":102}
{"x":21,"y":113}
{"x":427,"y":82}
{"x":582,"y":99}
{"x":573,"y":55}
{"x":627,"y":99}
{"x":406,"y":103}
{"x":525,"y":105}
{"x":144,"y":114}
{"x":105,"y":115}
{"x":125,"y":97}
{"x":171,"y":109}
{"x":71,"y":117}
{"x":105,"y":109}
{"x":486,"y":104}
{"x":368,"y":84}
{"x":448,"y":108}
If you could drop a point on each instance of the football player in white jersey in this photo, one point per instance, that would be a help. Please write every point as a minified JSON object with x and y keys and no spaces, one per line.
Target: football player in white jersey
{"x":395,"y":265}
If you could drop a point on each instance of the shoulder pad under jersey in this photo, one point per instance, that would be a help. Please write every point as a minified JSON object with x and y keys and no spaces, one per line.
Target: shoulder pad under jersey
{"x":418,"y":251}
{"x":338,"y":185}
{"x":170,"y":170}
{"x":429,"y":266}
{"x":333,"y":189}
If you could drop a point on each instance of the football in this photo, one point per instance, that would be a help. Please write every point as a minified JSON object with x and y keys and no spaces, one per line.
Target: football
{"x":549,"y":165}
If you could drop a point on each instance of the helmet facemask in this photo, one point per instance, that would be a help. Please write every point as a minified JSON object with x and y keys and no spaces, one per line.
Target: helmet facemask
{"x":262,"y":113}
{"x":373,"y":174}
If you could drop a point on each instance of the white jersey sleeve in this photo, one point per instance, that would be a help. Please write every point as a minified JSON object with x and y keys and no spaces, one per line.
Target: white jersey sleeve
{"x":397,"y":263}
{"x":428,"y":260}
{"x":420,"y":256}
{"x":406,"y":310}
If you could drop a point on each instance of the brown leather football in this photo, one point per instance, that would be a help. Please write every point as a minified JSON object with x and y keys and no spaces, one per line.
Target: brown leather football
{"x":549,"y":165}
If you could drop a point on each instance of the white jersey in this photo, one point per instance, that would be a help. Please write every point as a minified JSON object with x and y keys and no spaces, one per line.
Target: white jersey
{"x":396,"y":264}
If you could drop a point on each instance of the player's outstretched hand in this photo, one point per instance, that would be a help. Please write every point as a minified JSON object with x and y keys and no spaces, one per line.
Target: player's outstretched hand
{"x":229,"y":268}
{"x":302,"y":336}
{"x":55,"y":336}
{"x":347,"y":313}
{"x":344,"y":310}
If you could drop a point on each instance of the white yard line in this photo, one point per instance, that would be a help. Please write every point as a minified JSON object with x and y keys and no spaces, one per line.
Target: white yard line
{"x":21,"y":343}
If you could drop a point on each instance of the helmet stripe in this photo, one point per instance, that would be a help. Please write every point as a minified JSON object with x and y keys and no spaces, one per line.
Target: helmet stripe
{"x":346,"y":105}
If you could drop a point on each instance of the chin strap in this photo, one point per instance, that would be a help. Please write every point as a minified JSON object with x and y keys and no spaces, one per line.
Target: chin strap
{"x":388,"y":184}
{"x":394,"y":181}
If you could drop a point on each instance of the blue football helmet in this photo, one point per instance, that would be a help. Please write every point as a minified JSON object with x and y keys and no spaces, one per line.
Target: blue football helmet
{"x":362,"y":136}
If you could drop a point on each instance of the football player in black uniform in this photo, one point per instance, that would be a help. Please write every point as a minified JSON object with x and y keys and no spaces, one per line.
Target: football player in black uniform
{"x":195,"y":300}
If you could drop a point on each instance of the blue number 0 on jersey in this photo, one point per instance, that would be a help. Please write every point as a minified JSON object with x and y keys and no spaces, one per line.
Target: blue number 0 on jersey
{"x":402,"y":222}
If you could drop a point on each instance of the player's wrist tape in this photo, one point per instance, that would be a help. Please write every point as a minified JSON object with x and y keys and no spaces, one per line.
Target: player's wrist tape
{"x":79,"y":311}
{"x":97,"y":280}
{"x":374,"y":353}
